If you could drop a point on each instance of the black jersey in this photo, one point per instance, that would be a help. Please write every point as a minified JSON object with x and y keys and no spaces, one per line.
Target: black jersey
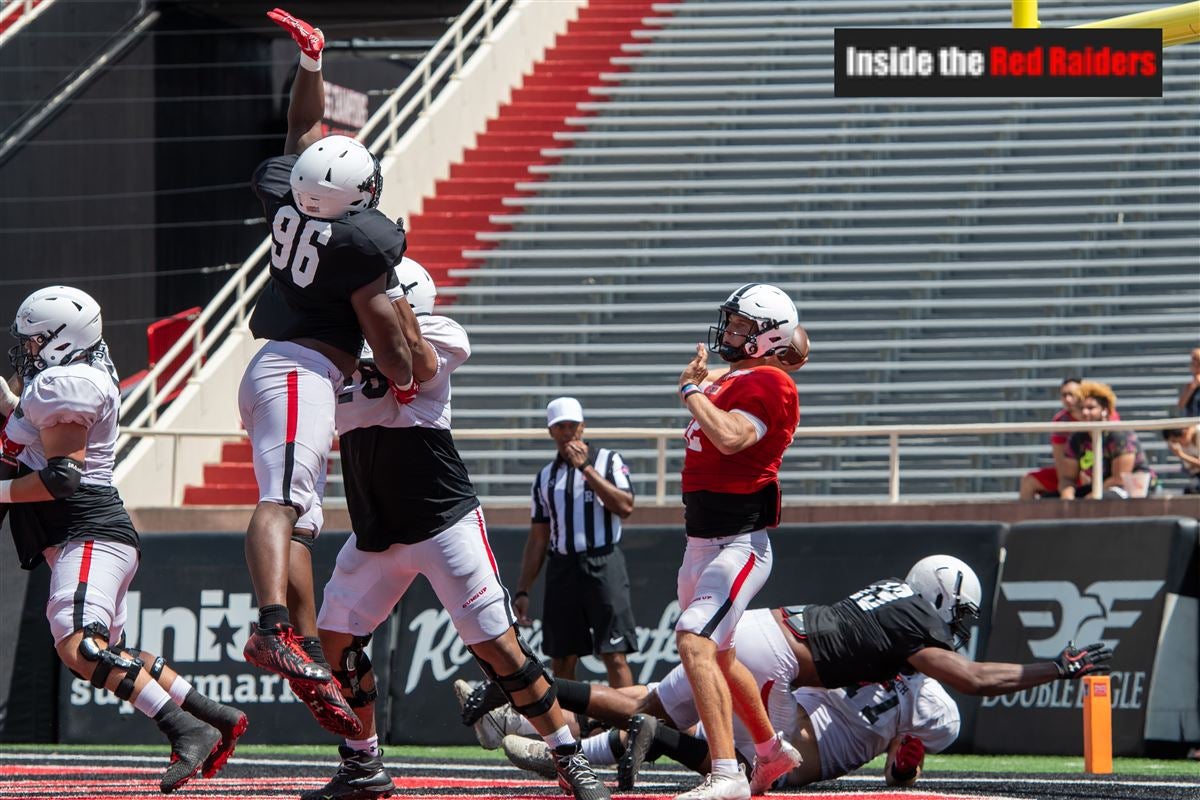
{"x":403,"y":485}
{"x":868,"y":637}
{"x":317,"y":264}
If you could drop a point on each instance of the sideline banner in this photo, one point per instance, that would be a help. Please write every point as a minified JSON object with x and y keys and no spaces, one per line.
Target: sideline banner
{"x":1131,"y":583}
{"x":813,"y":564}
{"x":192,"y":603}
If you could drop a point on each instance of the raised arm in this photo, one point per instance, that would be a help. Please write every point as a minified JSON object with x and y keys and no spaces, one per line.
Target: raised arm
{"x":728,"y":431}
{"x":307,"y":107}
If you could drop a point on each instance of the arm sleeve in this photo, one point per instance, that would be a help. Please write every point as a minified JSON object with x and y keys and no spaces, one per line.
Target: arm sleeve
{"x":617,"y":472}
{"x":272,"y":182}
{"x":62,"y":399}
{"x":537,"y":512}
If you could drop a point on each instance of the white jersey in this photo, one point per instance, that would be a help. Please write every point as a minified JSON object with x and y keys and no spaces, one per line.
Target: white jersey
{"x":855,"y":725}
{"x":365,"y":400}
{"x":80,"y":394}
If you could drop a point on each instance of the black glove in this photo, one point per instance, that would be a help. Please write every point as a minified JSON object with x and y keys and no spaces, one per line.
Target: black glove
{"x":1091,"y":660}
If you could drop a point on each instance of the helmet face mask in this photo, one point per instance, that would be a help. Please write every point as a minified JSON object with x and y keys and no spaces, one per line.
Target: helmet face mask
{"x":772,"y":319}
{"x":54,"y":326}
{"x":953,"y":589}
{"x":336,"y":176}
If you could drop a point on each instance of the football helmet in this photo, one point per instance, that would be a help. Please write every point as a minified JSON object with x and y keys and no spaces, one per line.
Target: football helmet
{"x":60,"y":322}
{"x":774,"y":316}
{"x":334,"y":176}
{"x":419,"y":288}
{"x":952,"y":588}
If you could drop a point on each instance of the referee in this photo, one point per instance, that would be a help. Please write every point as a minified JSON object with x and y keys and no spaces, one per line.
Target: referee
{"x":579,"y":500}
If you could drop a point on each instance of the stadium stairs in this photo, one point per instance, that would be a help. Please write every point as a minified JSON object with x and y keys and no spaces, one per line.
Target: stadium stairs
{"x":953,"y":259}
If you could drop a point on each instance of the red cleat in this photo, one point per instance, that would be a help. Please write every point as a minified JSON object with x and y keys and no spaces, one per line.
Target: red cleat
{"x":310,"y":39}
{"x":329,"y":708}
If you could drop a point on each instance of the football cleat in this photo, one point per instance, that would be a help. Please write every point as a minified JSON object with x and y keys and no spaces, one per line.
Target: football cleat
{"x":310,"y":39}
{"x":192,"y":743}
{"x":231,"y":724}
{"x":576,"y":776}
{"x":530,"y":754}
{"x":719,"y":786}
{"x":474,"y":703}
{"x":329,"y":707}
{"x":782,"y":759}
{"x":278,"y":650}
{"x":360,"y":776}
{"x":642,"y":728}
{"x":493,"y":726}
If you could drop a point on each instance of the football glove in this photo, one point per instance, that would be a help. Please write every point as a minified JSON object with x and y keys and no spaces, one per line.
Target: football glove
{"x":909,"y":756}
{"x":405,"y":395}
{"x":1073,"y":663}
{"x":310,"y":39}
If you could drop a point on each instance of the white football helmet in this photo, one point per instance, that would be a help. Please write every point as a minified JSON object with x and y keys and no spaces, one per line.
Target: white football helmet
{"x":419,"y":288}
{"x":952,"y":588}
{"x":334,"y":176}
{"x":60,"y":322}
{"x":773,"y":313}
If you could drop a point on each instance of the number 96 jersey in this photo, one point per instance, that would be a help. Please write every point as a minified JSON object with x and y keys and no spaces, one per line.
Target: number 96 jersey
{"x":316,"y":264}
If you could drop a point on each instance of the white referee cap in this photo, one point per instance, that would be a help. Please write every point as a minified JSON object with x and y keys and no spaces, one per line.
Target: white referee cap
{"x":563,"y":409}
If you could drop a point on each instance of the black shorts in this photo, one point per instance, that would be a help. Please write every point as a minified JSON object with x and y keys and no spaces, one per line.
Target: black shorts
{"x":587,"y":610}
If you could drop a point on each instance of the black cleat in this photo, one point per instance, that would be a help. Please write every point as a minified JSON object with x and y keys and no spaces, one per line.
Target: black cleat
{"x":231,"y":724}
{"x":576,"y":776}
{"x":192,"y":743}
{"x":474,"y":703}
{"x":361,"y":776}
{"x":278,"y":650}
{"x":642,"y":728}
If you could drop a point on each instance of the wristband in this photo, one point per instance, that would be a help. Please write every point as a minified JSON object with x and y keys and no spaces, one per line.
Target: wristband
{"x":309,"y":63}
{"x":519,"y":595}
{"x":585,"y":465}
{"x":6,"y":491}
{"x":689,"y":389}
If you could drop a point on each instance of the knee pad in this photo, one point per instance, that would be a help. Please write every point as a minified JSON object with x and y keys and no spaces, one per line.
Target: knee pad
{"x":522,"y":679}
{"x":106,"y":661}
{"x":354,"y":665}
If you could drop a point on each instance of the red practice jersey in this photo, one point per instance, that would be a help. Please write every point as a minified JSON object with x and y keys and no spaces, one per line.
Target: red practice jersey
{"x":769,"y":395}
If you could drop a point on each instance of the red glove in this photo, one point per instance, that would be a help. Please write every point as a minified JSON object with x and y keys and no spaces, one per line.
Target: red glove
{"x":310,"y":39}
{"x":406,"y":395}
{"x":909,"y":756}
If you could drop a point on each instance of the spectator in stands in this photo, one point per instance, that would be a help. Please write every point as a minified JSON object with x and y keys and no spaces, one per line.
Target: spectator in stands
{"x":1123,"y":456}
{"x":1189,"y":398}
{"x":579,"y":500}
{"x":1184,"y":443}
{"x":1044,"y":482}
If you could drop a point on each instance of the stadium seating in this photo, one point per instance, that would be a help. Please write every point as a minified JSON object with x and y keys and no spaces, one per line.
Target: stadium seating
{"x":952,"y":258}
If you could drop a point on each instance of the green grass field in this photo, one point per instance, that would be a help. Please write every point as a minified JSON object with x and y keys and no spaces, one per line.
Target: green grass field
{"x":1027,"y":765}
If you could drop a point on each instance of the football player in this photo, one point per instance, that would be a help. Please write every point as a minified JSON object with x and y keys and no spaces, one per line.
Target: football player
{"x":742,"y":423}
{"x":331,"y":262}
{"x":56,"y":467}
{"x":414,"y":512}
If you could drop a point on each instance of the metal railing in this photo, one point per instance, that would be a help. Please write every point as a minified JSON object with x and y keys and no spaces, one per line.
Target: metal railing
{"x":239,"y":293}
{"x":662,"y":435}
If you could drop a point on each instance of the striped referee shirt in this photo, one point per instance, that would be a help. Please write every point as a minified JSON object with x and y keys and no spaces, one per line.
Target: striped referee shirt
{"x":579,"y":522}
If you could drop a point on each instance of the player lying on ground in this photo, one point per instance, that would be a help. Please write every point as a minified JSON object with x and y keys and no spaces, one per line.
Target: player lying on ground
{"x":891,"y":627}
{"x":836,"y":731}
{"x":58,"y":445}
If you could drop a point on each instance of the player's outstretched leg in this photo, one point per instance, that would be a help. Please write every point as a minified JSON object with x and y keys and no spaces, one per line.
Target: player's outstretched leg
{"x":361,"y":776}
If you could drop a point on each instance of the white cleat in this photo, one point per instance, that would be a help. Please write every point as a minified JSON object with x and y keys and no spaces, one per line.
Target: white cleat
{"x":782,"y":759}
{"x":719,"y":786}
{"x":493,"y":726}
{"x":530,"y":754}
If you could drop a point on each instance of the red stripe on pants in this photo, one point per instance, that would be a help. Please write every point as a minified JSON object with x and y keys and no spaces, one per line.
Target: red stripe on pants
{"x":741,"y":578}
{"x":85,"y":563}
{"x":293,"y":404}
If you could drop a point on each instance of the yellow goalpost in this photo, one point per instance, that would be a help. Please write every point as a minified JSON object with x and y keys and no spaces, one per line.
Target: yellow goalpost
{"x":1180,"y":24}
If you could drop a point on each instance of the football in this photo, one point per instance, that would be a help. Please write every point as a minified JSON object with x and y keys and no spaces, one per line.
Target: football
{"x":796,"y":355}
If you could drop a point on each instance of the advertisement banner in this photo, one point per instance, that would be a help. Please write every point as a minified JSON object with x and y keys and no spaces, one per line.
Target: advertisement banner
{"x":192,"y":603}
{"x":813,"y":564}
{"x":1096,"y":581}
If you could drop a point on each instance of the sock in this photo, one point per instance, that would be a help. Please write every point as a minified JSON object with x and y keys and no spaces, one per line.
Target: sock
{"x":560,"y":738}
{"x":151,"y":699}
{"x":173,"y":720}
{"x":369,"y":746}
{"x":200,"y":706}
{"x":691,"y":751}
{"x":309,"y":63}
{"x":179,"y":690}
{"x":270,"y":616}
{"x":573,"y":695}
{"x":312,"y":646}
{"x":725,"y":766}
{"x":764,"y":749}
{"x":597,"y":750}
